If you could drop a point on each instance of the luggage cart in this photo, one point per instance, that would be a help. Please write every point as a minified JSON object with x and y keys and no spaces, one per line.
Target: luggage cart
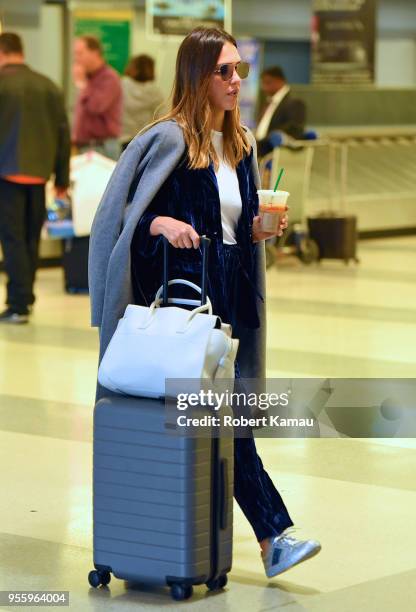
{"x":297,"y":159}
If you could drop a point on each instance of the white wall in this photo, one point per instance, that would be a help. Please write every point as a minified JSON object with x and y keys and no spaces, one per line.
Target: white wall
{"x":396,"y":17}
{"x":396,"y":62}
{"x":163,"y":52}
{"x":43,"y":42}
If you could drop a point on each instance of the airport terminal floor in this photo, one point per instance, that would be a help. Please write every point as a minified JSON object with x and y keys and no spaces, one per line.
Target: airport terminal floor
{"x":357,"y":496}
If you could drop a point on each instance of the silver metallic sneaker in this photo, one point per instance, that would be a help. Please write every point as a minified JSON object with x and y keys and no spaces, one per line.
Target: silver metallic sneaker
{"x":285,"y":552}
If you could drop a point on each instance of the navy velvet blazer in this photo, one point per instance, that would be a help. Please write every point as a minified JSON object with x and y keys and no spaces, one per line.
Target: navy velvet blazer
{"x":192,"y":196}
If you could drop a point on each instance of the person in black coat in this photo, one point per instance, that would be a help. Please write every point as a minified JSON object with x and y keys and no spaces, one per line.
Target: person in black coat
{"x":282,"y":114}
{"x":34,"y":144}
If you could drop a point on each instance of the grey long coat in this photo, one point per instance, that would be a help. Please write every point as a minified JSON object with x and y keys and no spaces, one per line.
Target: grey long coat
{"x":138,"y":176}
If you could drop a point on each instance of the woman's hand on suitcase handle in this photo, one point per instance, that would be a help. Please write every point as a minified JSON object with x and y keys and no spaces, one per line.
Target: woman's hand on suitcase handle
{"x":258,"y":233}
{"x":179,"y":234}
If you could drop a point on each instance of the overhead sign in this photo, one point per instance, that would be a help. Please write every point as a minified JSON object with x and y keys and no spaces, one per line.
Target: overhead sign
{"x":179,"y":17}
{"x":113,"y":28}
{"x":343,"y":41}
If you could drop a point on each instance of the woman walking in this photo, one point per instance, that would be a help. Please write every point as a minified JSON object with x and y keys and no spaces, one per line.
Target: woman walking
{"x":194,"y":172}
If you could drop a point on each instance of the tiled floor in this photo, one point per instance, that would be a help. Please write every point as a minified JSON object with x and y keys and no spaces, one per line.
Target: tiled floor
{"x":358,"y":497}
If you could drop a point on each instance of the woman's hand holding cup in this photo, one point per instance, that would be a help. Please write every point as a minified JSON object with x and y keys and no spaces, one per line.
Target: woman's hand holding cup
{"x":272,"y":214}
{"x":179,"y":234}
{"x":259,"y":234}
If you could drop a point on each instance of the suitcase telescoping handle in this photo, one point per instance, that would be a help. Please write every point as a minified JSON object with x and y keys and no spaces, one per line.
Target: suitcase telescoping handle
{"x":205,"y":242}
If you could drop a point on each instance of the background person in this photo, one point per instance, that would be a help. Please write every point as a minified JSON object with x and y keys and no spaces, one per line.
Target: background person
{"x":282,"y":113}
{"x":141,"y":97}
{"x":199,"y":177}
{"x":97,"y":115}
{"x":34,"y":143}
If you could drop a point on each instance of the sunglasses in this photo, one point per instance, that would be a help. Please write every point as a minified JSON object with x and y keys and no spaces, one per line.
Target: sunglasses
{"x":226,"y":71}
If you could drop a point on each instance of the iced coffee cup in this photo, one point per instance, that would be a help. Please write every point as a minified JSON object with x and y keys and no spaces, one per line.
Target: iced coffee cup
{"x":272,"y":207}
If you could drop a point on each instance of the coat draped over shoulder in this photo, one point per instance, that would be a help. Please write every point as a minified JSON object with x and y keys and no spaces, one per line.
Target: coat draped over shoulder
{"x":152,"y":178}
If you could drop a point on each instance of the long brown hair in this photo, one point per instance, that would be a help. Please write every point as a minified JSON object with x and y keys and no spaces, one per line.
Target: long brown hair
{"x":196,"y":60}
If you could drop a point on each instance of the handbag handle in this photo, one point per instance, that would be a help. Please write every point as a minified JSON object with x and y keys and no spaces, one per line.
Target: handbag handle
{"x":158,"y":300}
{"x":205,"y":242}
{"x":181,"y":281}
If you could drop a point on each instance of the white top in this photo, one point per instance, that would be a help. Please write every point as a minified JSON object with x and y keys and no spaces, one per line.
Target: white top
{"x":263,"y":126}
{"x":229,"y":191}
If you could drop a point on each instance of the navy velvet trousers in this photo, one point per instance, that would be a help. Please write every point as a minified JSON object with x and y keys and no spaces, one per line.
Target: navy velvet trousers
{"x":254,"y":491}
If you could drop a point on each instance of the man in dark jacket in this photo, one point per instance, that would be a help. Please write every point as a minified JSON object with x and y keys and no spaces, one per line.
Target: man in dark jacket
{"x":34,"y":143}
{"x":282,"y":114}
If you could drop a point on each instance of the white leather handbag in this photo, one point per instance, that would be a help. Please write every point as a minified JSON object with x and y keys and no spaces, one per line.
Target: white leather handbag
{"x":152,"y":344}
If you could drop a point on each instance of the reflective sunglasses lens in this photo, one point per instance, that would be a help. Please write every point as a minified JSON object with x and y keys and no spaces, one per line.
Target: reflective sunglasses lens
{"x":243,"y":69}
{"x":226,"y":71}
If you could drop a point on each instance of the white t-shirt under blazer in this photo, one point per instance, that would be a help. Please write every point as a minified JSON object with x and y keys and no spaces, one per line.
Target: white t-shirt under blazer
{"x":229,"y":191}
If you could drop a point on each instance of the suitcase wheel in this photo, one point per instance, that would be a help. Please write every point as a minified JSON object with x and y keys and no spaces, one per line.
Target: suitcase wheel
{"x":179,"y":592}
{"x":96,"y":578}
{"x":308,"y":251}
{"x":222,"y":581}
{"x":217,"y":583}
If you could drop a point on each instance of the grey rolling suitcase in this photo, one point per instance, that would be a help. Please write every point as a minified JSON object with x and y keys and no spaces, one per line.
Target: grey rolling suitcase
{"x":162,"y":502}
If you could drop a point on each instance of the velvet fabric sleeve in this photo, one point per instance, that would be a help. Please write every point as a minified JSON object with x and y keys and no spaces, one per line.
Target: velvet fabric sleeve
{"x":144,"y":244}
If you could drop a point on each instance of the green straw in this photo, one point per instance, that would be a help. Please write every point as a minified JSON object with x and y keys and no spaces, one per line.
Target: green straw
{"x":278,"y":179}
